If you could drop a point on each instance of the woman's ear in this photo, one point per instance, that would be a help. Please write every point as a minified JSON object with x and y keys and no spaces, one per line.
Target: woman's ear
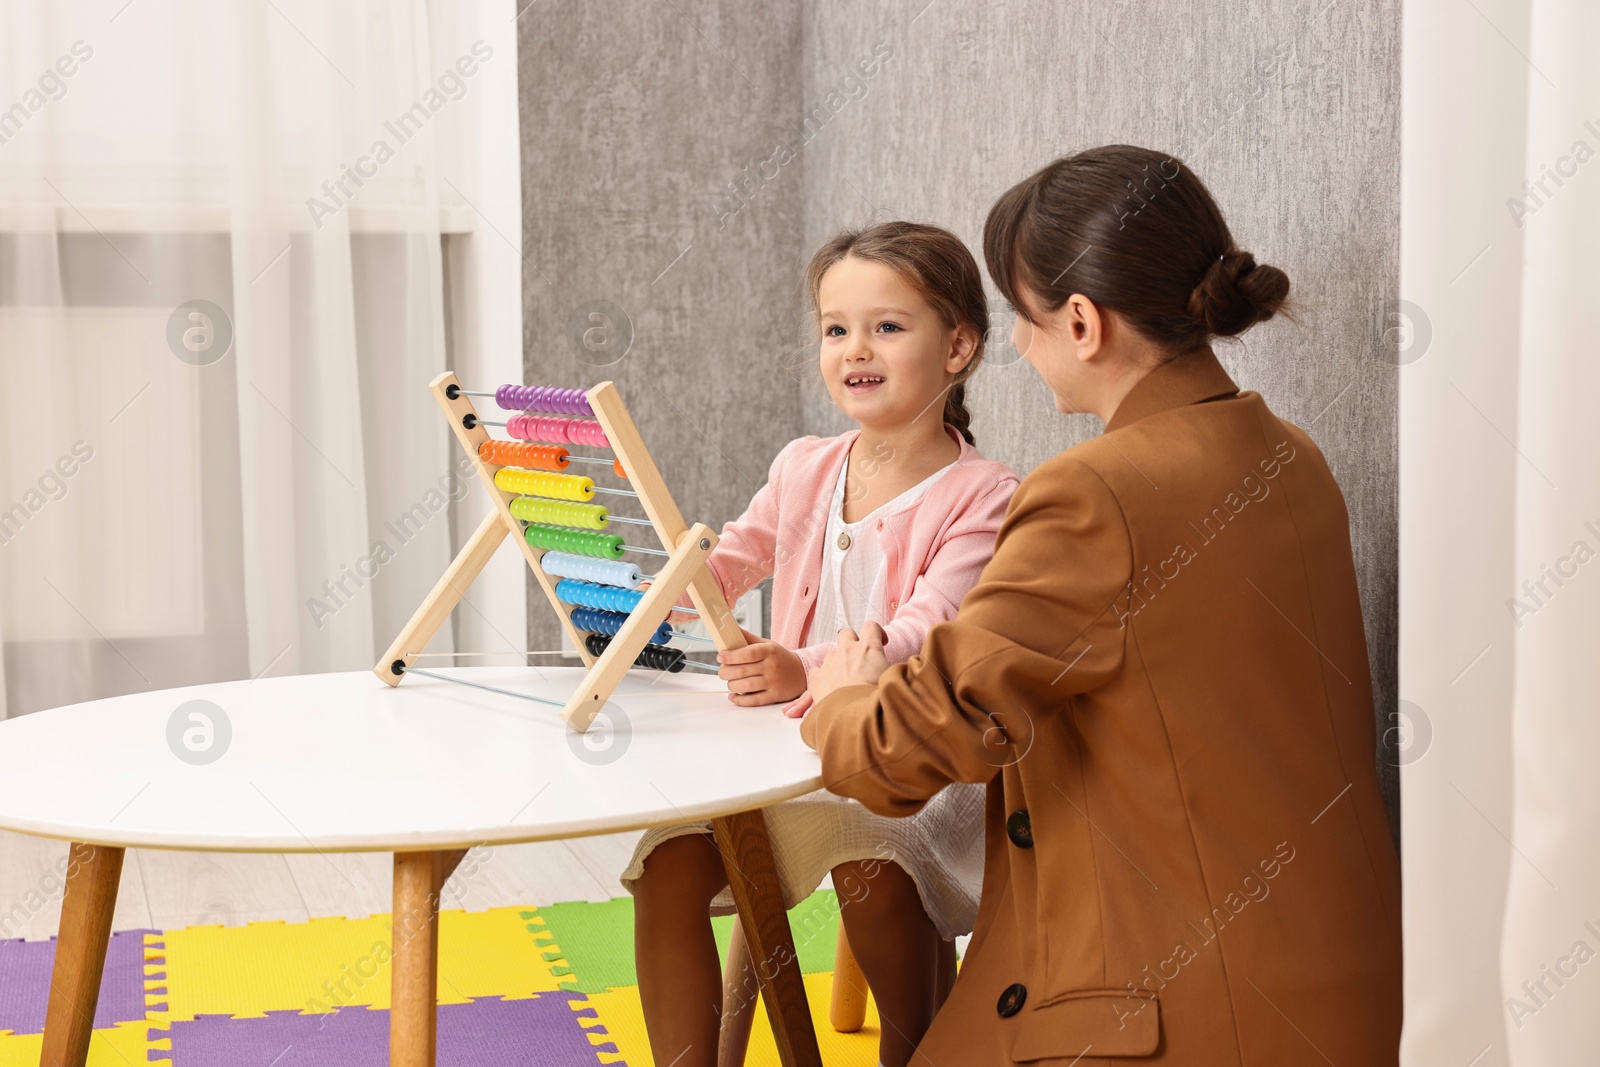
{"x":963,"y":345}
{"x":1085,"y":328}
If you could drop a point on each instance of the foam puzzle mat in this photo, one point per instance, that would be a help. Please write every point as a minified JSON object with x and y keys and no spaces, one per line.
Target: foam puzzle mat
{"x":518,"y":987}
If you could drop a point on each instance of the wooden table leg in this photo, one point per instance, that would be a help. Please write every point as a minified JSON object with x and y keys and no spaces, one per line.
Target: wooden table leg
{"x":91,"y":895}
{"x":753,"y":881}
{"x":414,"y":965}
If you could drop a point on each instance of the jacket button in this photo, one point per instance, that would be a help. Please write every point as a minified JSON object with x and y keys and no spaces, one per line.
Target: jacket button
{"x":1011,"y":1000}
{"x":1020,"y":829}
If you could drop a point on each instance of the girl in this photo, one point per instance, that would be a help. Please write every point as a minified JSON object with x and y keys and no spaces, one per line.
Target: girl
{"x":890,"y":523}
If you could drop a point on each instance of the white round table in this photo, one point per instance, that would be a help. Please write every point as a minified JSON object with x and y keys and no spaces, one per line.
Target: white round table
{"x":426,"y":770}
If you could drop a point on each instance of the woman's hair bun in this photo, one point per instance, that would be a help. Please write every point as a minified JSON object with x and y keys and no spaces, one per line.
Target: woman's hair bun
{"x":1236,"y":293}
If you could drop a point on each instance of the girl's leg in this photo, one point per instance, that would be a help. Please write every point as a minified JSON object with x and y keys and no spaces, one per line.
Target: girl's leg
{"x":675,"y":952}
{"x":896,"y":945}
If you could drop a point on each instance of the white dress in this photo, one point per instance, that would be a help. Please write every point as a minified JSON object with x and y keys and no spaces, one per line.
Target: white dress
{"x":940,"y":847}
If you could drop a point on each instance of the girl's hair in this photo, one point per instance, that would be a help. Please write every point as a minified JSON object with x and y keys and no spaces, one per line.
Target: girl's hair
{"x":937,"y":265}
{"x":1137,"y":232}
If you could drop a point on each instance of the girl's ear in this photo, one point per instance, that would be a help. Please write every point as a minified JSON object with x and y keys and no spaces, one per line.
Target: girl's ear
{"x":963,"y":345}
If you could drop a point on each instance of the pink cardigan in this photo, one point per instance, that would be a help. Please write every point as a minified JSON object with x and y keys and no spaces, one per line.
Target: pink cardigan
{"x":934,"y":550}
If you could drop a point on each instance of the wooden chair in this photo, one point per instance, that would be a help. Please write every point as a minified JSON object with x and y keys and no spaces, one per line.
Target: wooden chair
{"x":847,"y":1008}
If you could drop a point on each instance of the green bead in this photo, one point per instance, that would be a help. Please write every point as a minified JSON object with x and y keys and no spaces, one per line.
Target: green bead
{"x":578,"y":542}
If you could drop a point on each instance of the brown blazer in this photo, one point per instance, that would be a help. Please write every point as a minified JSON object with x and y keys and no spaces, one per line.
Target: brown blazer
{"x":1163,"y":678}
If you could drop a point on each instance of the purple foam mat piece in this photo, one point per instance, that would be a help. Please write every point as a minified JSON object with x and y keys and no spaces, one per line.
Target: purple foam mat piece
{"x":25,"y":968}
{"x":544,"y":1031}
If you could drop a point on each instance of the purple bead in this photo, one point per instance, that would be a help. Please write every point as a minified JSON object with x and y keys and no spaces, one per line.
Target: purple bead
{"x":546,"y":399}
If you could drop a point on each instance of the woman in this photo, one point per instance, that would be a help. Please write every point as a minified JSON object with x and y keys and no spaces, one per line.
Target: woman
{"x":1162,"y":675}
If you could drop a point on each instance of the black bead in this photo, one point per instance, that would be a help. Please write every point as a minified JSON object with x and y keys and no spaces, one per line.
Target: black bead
{"x":654,"y":657}
{"x":1012,"y":1000}
{"x":1020,"y":829}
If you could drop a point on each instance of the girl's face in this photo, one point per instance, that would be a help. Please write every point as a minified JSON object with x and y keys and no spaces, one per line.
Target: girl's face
{"x":886,"y":355}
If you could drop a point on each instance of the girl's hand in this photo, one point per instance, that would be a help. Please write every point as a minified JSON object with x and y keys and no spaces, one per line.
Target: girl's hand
{"x":856,"y":661}
{"x":762,"y":672}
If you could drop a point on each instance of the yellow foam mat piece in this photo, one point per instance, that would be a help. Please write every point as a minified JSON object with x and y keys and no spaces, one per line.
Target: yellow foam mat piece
{"x":125,"y":1044}
{"x":618,"y":1010}
{"x":325,"y":964}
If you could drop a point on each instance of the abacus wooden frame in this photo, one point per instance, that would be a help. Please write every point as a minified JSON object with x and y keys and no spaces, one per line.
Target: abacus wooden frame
{"x":684,"y":569}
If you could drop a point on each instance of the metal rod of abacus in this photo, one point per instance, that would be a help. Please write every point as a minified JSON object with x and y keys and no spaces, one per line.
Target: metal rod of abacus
{"x":614,"y":492}
{"x":701,"y":666}
{"x":480,"y":685}
{"x":591,"y":459}
{"x":626,"y":519}
{"x":509,"y":652}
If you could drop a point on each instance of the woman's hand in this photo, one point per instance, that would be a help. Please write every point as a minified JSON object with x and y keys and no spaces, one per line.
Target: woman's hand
{"x":856,"y":661}
{"x":762,"y":672}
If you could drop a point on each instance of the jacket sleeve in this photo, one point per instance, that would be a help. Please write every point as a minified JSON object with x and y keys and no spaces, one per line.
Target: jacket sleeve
{"x":1044,"y":623}
{"x":952,"y":572}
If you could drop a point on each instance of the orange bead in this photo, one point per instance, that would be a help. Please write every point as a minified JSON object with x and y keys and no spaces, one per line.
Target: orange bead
{"x":616,"y":465}
{"x":524,"y":454}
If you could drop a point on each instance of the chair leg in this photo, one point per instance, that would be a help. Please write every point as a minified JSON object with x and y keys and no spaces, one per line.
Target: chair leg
{"x":945,"y":977}
{"x":848,"y":1009}
{"x":739,"y":995}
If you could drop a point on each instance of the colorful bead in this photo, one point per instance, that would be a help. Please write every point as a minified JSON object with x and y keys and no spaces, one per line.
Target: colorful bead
{"x":654,"y":657}
{"x":524,"y":454}
{"x":604,"y":597}
{"x":560,"y":513}
{"x":609,"y":622}
{"x":557,"y":430}
{"x":545,"y":484}
{"x":599,"y":571}
{"x":577,"y":542}
{"x":543,"y":398}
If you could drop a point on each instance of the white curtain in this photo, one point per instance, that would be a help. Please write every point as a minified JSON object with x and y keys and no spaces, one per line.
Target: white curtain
{"x":1500,"y":532}
{"x":234,"y":238}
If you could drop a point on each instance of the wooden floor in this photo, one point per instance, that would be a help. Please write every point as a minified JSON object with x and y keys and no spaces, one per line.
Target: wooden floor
{"x":162,"y":890}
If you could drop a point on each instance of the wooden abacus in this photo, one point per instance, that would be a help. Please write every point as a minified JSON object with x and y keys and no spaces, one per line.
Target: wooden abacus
{"x":612,"y":623}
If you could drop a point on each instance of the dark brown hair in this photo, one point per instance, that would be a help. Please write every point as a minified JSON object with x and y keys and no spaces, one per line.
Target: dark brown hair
{"x":1137,"y":232}
{"x":937,"y":265}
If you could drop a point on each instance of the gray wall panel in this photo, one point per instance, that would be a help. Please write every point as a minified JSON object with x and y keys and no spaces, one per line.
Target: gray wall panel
{"x":635,"y":120}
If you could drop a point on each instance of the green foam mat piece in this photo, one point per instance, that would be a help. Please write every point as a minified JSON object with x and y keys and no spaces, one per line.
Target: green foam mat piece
{"x":815,"y":923}
{"x":596,"y":940}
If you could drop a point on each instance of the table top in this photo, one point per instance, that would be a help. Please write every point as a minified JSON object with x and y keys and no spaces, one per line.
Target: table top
{"x":343,"y":762}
